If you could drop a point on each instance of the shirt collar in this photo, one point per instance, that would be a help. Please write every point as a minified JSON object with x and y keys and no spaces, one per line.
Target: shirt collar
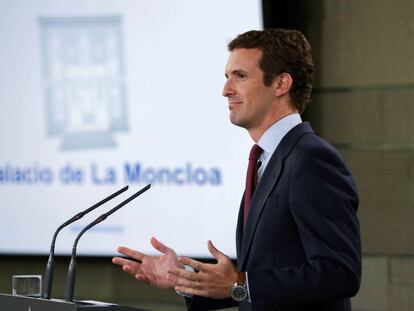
{"x":274,"y":134}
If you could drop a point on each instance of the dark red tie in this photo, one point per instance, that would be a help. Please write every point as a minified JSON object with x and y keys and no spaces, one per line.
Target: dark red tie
{"x":251,"y":178}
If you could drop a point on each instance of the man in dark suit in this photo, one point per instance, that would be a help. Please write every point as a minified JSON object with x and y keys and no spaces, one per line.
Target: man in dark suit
{"x":297,"y":240}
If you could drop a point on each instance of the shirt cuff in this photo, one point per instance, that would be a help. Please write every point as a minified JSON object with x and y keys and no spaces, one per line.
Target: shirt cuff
{"x":247,"y":286}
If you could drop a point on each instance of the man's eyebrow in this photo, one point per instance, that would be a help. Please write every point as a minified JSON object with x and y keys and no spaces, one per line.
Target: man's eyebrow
{"x":235,"y":71}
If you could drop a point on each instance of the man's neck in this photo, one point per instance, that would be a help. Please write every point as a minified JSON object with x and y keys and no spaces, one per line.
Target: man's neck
{"x":257,"y":132}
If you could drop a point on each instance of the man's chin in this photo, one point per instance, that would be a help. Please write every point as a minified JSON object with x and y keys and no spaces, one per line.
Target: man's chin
{"x":237,"y":122}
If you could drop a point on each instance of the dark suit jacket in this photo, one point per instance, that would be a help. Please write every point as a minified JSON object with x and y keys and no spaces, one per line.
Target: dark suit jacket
{"x":301,"y":244}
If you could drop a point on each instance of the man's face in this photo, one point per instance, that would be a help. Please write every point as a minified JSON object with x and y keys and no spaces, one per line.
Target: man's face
{"x":250,"y":101}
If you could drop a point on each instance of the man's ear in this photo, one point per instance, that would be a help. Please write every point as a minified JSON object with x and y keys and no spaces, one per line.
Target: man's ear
{"x":282,"y":84}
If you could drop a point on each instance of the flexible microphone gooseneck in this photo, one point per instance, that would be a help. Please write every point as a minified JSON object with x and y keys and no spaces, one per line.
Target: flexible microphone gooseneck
{"x":51,"y":261}
{"x":70,"y":282}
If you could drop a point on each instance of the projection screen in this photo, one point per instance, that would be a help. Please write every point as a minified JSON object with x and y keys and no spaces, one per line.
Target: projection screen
{"x":96,"y":95}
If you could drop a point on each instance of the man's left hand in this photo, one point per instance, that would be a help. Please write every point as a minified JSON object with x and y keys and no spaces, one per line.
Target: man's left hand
{"x":211,"y":280}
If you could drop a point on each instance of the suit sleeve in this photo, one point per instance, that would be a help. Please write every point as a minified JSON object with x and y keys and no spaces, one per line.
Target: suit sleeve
{"x":323,"y":202}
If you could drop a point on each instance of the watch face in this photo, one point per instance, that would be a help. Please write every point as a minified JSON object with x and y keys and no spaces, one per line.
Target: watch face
{"x":239,"y":293}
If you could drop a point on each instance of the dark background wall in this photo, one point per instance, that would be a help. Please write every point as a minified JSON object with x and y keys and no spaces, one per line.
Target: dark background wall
{"x":362,"y":104}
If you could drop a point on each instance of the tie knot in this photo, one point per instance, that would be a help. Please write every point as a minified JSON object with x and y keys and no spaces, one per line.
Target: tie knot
{"x":255,"y":152}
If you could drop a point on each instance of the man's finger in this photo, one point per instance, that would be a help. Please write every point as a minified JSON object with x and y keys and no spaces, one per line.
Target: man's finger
{"x":162,"y":248}
{"x":215,"y":252}
{"x":183,"y":274}
{"x":141,"y":277}
{"x":193,"y":263}
{"x":120,"y":261}
{"x":188,"y":279}
{"x":131,"y":253}
{"x":130,"y":270}
{"x":179,"y":281}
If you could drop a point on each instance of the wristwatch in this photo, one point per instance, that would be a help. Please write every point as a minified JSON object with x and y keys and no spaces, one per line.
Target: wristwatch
{"x":239,"y":292}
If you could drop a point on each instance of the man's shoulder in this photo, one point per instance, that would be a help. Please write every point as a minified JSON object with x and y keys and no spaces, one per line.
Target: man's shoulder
{"x":302,"y":137}
{"x":312,"y":150}
{"x":314,"y":141}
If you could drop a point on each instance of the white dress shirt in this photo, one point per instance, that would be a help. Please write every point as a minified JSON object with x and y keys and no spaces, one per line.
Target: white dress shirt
{"x":272,"y":137}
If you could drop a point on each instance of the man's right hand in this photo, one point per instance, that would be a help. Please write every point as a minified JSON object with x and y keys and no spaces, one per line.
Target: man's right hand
{"x":150,"y":269}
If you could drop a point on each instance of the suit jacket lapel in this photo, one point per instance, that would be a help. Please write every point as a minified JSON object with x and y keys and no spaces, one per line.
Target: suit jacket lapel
{"x":268,"y":181}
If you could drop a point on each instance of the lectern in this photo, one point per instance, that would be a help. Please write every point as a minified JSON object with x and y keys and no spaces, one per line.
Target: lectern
{"x":23,"y":303}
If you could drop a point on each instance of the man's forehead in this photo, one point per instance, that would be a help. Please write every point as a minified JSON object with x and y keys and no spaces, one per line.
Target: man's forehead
{"x":242,"y":58}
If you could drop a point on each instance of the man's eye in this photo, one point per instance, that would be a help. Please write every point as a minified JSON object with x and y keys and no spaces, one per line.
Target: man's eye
{"x":242,"y":76}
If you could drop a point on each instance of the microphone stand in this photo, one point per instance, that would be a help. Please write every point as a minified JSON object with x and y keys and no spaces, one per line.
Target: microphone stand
{"x":51,"y":261}
{"x":70,"y":282}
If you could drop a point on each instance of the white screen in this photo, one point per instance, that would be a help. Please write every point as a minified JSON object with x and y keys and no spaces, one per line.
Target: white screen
{"x":96,"y":95}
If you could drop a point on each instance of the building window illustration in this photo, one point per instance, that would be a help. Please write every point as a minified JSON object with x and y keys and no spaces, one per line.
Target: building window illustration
{"x":84,"y":80}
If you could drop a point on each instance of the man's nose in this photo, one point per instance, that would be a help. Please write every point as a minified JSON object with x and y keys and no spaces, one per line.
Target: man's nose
{"x":227,"y":89}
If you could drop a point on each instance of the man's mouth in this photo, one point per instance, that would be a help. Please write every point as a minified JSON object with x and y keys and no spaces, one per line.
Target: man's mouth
{"x":234,"y":103}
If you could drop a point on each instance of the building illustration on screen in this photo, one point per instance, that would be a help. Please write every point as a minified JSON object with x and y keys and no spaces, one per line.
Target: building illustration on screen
{"x":84,"y":80}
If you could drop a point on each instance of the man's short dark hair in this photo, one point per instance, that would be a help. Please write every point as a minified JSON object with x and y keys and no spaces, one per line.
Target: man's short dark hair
{"x":283,"y":51}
